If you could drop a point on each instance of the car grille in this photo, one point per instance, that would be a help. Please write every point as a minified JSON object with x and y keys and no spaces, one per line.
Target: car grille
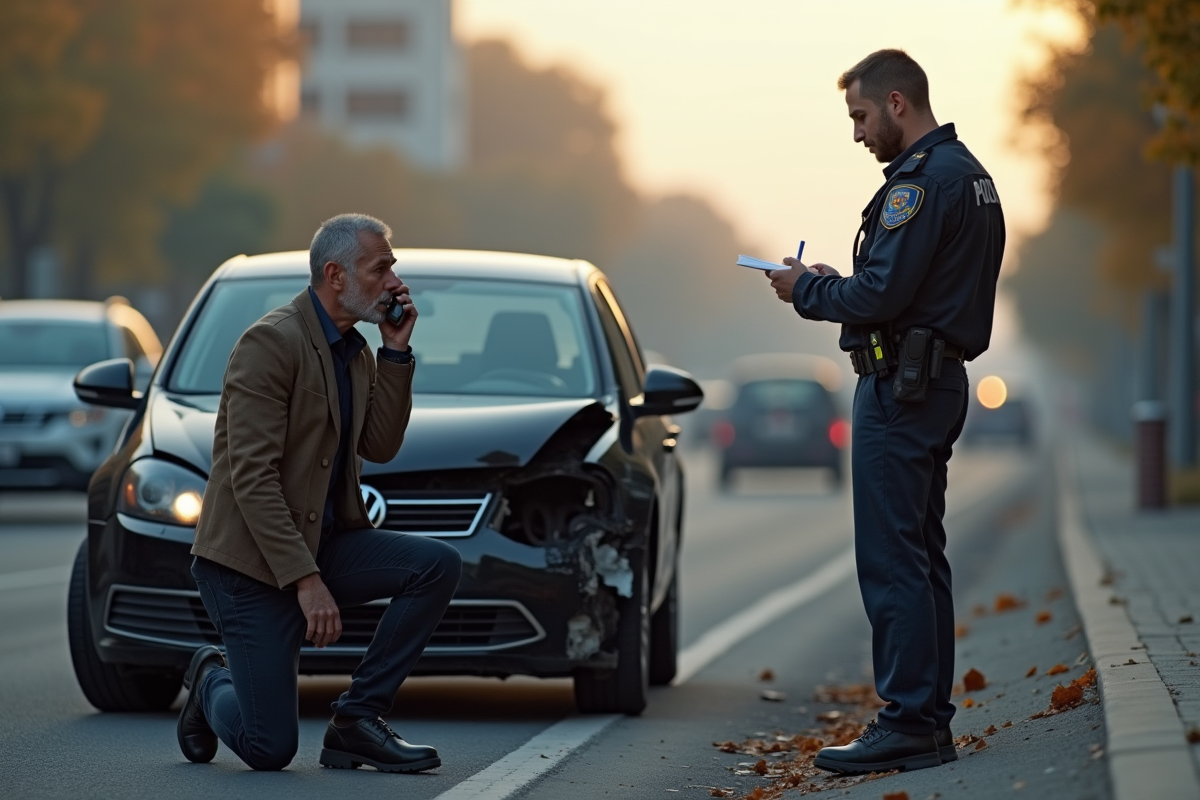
{"x":25,"y":419}
{"x":178,"y":617}
{"x":434,"y":515}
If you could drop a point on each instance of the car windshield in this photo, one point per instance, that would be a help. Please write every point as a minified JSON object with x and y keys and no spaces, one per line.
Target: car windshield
{"x":474,"y":336}
{"x":51,"y":344}
{"x":791,"y":395}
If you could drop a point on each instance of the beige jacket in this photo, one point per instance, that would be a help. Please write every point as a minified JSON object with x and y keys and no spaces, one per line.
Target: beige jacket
{"x":277,"y":432}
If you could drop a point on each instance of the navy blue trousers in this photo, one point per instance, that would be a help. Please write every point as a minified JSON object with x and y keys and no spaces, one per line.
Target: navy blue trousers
{"x":253,"y":705}
{"x":899,"y":456}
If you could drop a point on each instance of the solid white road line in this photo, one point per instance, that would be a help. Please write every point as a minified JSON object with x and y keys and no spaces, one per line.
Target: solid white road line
{"x":33,"y":578}
{"x":541,"y":753}
{"x":527,"y":763}
{"x":717,"y":641}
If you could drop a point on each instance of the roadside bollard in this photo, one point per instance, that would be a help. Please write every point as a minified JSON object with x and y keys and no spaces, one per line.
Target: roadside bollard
{"x":1150,"y":423}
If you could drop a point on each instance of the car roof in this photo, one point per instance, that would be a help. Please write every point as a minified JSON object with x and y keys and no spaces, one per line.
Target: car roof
{"x":787,"y":366}
{"x":481,"y":264}
{"x":59,"y":310}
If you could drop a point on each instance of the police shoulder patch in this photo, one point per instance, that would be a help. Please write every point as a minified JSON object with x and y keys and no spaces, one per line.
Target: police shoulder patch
{"x":901,"y":205}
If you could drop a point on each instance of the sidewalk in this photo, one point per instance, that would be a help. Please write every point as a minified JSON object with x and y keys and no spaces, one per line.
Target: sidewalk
{"x":1149,"y":568}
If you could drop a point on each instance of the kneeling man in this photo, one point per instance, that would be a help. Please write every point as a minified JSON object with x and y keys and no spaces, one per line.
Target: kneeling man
{"x":283,"y":538}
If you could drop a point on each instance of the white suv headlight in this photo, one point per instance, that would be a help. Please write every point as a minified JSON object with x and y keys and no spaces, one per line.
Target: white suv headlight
{"x":161,"y":491}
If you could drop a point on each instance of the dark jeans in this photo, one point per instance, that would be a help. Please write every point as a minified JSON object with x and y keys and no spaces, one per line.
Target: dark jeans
{"x":899,"y":457}
{"x":253,"y":705}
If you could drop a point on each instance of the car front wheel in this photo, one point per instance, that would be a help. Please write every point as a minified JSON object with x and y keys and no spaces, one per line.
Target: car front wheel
{"x":110,"y":687}
{"x":622,"y":690}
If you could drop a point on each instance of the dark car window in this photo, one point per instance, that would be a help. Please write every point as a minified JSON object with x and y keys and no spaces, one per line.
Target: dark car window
{"x":474,"y":336}
{"x":51,"y":343}
{"x":628,"y":374}
{"x":783,"y":395}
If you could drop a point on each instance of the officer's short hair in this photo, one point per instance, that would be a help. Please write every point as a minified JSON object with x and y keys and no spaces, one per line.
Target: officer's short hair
{"x":887,"y":71}
{"x":337,"y":241}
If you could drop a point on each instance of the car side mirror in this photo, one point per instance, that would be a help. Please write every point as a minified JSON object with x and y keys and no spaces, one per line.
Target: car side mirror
{"x":108,"y":383}
{"x":668,"y":391}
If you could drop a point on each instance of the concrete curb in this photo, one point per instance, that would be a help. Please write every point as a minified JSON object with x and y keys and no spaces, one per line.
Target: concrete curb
{"x":1147,"y":751}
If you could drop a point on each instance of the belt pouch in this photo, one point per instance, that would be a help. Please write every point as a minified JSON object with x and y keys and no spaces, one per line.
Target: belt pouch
{"x":912,"y":371}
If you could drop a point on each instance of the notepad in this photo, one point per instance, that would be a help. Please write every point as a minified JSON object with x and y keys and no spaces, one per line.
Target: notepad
{"x":758,"y":263}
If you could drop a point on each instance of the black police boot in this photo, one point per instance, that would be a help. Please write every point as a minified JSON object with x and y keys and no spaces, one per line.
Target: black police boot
{"x":945,"y":742}
{"x":879,"y":750}
{"x":370,"y":741}
{"x":196,"y":737}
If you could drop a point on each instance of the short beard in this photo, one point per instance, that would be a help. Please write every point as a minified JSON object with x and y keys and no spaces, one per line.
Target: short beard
{"x":890,"y":142}
{"x":355,"y":301}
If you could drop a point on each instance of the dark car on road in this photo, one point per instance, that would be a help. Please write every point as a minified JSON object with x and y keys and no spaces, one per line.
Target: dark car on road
{"x":540,"y":445}
{"x":48,"y":438}
{"x":784,"y":414}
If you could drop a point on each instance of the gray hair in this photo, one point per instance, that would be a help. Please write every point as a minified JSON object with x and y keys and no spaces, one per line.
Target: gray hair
{"x":337,"y":241}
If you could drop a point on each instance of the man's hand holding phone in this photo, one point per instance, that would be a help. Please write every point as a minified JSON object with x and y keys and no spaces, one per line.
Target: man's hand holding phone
{"x":397,"y":326}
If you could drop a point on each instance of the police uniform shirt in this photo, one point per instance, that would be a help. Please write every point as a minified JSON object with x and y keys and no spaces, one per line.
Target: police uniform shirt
{"x":928,"y":252}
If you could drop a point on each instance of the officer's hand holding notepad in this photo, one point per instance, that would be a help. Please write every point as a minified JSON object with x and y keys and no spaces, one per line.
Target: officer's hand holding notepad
{"x":758,"y":263}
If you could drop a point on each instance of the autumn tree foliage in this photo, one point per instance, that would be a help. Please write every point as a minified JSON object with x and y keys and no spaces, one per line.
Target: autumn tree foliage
{"x":1168,"y":33}
{"x":114,"y":109}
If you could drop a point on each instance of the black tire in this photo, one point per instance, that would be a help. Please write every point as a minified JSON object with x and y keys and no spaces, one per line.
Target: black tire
{"x":725,"y":478}
{"x":623,"y":690}
{"x":664,"y":637}
{"x":111,"y":687}
{"x":839,"y":476}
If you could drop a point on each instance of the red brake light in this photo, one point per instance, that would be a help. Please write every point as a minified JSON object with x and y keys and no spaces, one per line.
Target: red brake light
{"x":723,"y":433}
{"x":839,"y":433}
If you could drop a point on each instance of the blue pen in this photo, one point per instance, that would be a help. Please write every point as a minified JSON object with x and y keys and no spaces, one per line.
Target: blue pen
{"x":800,"y":252}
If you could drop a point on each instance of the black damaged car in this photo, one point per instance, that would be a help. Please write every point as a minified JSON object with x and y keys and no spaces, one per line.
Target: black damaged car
{"x":540,"y":445}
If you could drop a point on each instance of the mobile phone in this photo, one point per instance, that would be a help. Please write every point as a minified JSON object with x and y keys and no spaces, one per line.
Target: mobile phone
{"x":395,"y":312}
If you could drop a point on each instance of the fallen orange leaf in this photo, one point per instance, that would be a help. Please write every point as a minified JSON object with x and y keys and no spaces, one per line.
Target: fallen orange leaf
{"x":757,"y":794}
{"x":1007,"y":602}
{"x":761,"y":767}
{"x":968,"y":703}
{"x":973,"y":681}
{"x":980,"y":744}
{"x":1043,"y":617}
{"x":1007,"y":724}
{"x":961,"y":631}
{"x":895,"y":796}
{"x":1066,"y":696}
{"x":1057,"y":669}
{"x":1032,"y":671}
{"x":990,"y":730}
{"x":767,"y":675}
{"x":719,"y":793}
{"x":1086,"y":680}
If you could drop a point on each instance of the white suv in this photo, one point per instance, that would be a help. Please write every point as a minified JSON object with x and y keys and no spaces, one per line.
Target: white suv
{"x":48,"y":438}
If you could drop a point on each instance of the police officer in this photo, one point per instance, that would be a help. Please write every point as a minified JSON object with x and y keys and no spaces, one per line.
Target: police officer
{"x":918,"y":304}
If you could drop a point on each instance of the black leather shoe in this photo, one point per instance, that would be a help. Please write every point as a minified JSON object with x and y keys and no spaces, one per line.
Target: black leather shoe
{"x":196,"y":737}
{"x":370,"y":741}
{"x":879,"y":750}
{"x":945,"y":742}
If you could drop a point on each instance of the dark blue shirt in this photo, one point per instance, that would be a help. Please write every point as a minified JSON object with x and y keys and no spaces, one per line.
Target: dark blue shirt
{"x":928,"y":252}
{"x":344,"y":349}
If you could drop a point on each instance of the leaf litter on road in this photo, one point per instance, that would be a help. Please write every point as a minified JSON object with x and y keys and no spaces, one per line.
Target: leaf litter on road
{"x":1064,"y":698}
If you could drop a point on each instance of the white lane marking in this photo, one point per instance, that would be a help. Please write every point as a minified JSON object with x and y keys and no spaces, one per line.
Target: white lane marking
{"x":527,"y":763}
{"x":33,"y":578}
{"x":718,"y":640}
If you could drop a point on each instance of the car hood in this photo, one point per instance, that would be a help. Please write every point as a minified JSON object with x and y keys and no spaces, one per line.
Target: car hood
{"x":444,"y":432}
{"x":42,"y":388}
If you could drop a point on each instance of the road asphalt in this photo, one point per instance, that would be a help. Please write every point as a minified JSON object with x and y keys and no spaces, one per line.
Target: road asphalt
{"x":775,"y":531}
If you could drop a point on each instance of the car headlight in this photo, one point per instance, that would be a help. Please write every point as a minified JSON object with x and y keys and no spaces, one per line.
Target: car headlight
{"x":86,"y":416}
{"x":162,"y":492}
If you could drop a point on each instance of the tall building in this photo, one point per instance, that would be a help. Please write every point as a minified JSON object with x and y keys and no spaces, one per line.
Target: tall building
{"x":387,"y":72}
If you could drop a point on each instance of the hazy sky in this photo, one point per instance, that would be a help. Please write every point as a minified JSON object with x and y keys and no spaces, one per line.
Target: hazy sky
{"x":738,"y":101}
